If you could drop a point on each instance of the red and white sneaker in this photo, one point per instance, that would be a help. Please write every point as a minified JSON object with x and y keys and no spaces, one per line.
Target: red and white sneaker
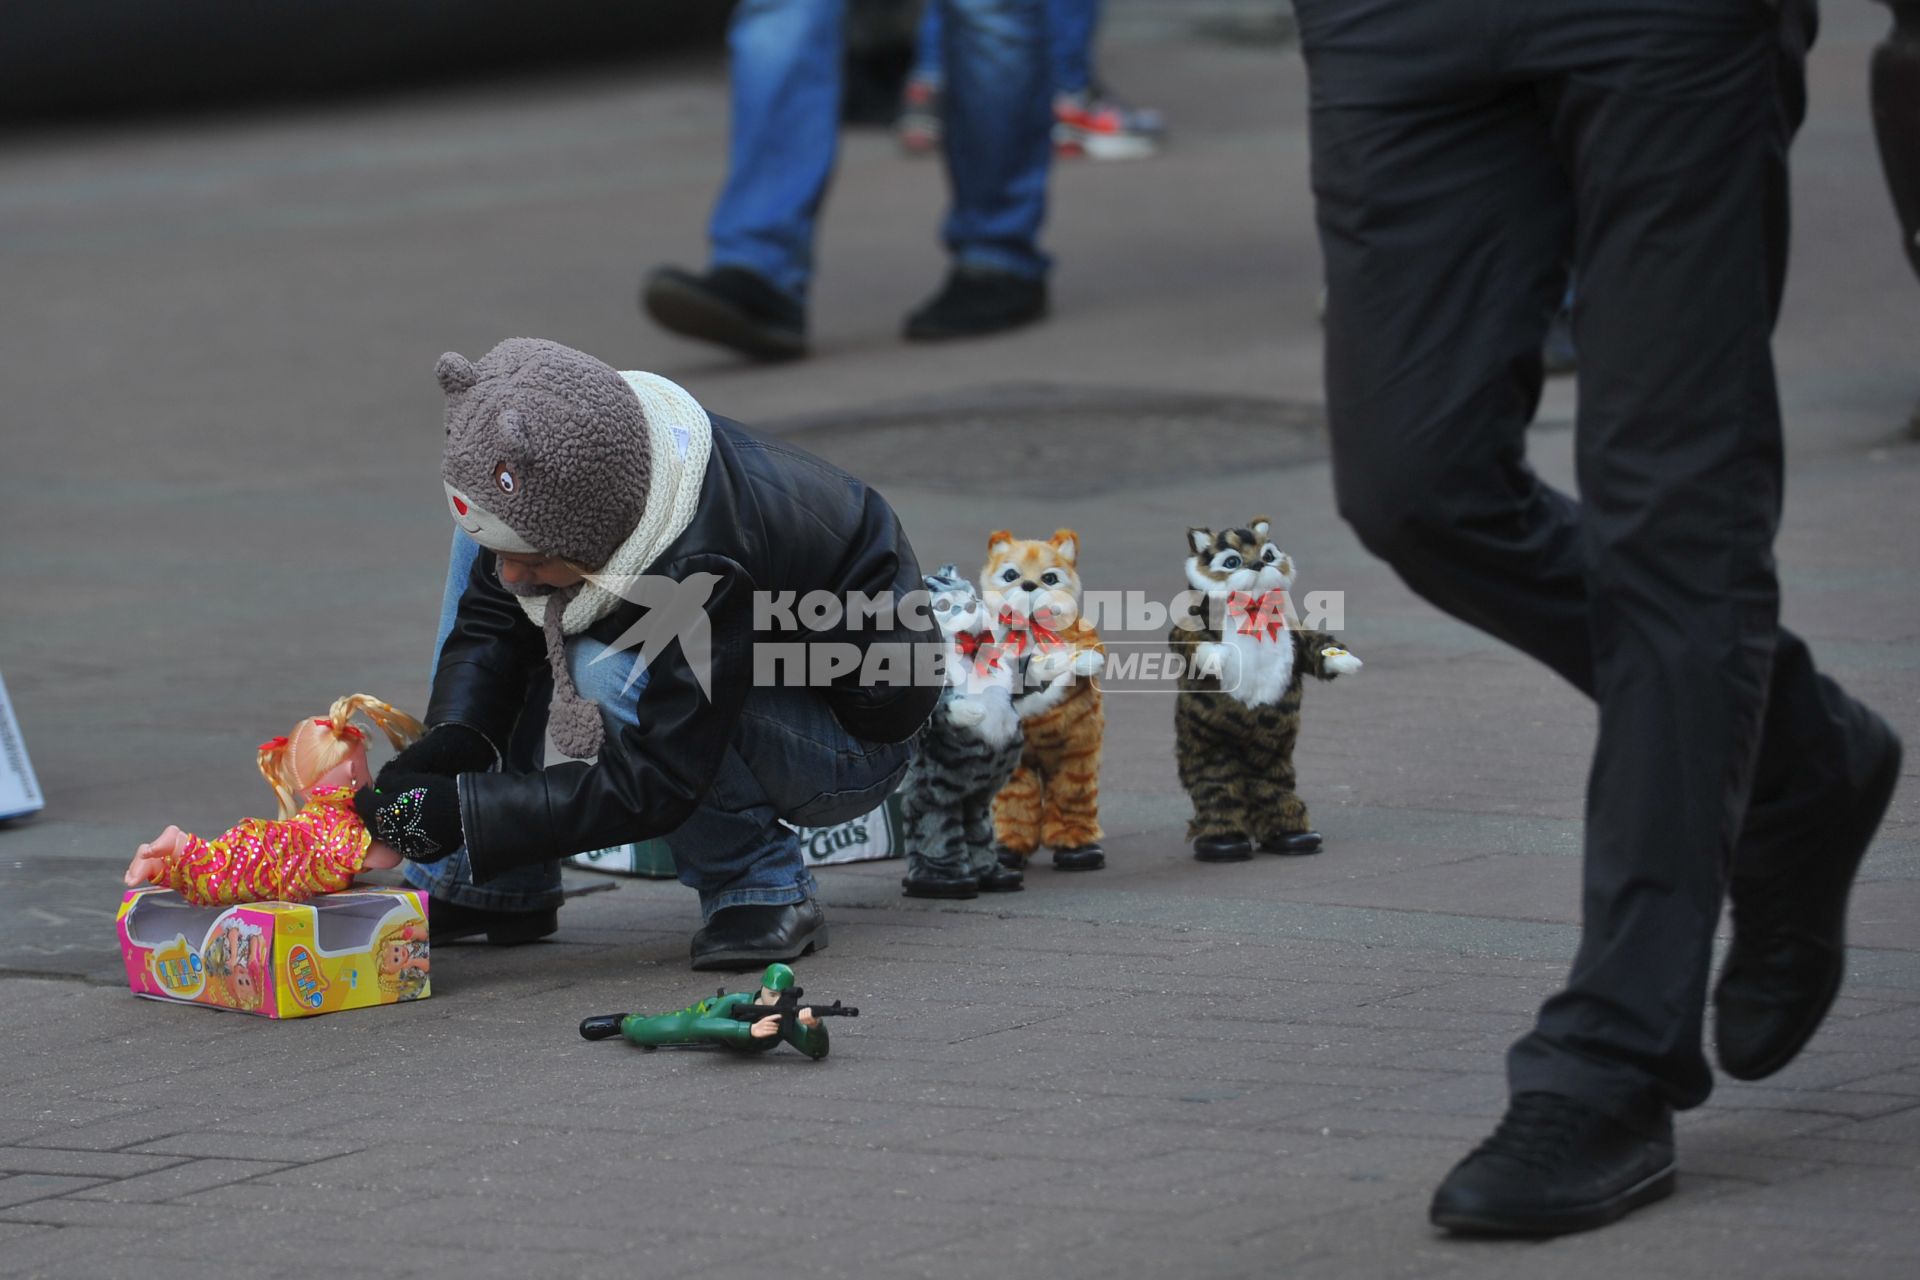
{"x":918,"y":125}
{"x":1091,"y":124}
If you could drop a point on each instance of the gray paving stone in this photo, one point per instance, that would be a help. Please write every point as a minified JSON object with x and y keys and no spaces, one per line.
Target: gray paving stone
{"x":24,"y":1188}
{"x":99,"y":1164}
{"x":209,"y":1144}
{"x":180,"y":1179}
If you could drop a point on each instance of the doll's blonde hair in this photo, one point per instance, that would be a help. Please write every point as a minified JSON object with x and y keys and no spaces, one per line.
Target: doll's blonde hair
{"x":291,"y":764}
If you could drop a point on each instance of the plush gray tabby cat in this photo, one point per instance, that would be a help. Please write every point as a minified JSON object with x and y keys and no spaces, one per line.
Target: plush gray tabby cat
{"x":967,"y":751}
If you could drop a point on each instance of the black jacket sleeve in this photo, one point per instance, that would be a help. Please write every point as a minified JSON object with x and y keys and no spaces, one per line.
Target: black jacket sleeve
{"x":648,"y":779}
{"x":880,"y":562}
{"x":488,"y":661}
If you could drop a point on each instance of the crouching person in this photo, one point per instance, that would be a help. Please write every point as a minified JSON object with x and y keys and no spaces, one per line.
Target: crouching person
{"x":613,"y":539}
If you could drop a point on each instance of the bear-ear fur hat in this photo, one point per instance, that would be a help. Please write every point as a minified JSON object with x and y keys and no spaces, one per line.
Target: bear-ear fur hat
{"x":548,"y":442}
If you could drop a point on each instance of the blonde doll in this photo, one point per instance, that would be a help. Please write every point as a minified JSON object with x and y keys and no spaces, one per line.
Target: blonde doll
{"x":236,"y":960}
{"x":318,"y":843}
{"x":401,"y":962}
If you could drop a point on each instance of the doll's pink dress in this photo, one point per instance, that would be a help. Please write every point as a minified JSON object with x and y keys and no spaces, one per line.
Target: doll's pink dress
{"x":317,"y":850}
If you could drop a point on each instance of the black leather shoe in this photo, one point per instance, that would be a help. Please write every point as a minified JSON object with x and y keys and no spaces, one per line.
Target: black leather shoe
{"x":1556,"y":1165}
{"x":1002,"y":880}
{"x":1293,"y":844}
{"x":449,"y":922}
{"x":935,"y":884}
{"x":748,"y":937}
{"x":731,"y":306}
{"x":1789,"y":949}
{"x":1008,"y":858}
{"x":1233,"y":848}
{"x":1086,"y":857}
{"x":975,"y":302}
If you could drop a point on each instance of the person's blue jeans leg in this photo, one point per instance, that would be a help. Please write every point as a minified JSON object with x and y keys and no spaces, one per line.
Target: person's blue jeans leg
{"x":785,"y":69}
{"x":998,"y":132}
{"x":789,"y":758}
{"x":926,"y":45}
{"x":1070,"y":28}
{"x":530,"y":888}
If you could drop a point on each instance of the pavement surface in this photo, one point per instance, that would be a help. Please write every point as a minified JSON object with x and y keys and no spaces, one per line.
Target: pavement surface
{"x":220,"y":509}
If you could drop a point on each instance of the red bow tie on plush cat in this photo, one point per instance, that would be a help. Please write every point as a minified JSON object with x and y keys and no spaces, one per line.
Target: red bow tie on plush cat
{"x":1024,"y":631}
{"x":1254,"y":615}
{"x":978,"y":648}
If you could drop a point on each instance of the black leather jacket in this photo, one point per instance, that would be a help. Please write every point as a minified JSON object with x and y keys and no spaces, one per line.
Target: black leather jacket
{"x":771,"y":518}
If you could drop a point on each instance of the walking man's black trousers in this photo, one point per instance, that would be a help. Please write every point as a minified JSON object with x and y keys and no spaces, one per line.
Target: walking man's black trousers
{"x":1464,"y":152}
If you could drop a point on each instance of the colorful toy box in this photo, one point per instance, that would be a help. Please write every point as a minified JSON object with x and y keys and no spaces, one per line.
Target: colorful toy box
{"x":278,"y":959}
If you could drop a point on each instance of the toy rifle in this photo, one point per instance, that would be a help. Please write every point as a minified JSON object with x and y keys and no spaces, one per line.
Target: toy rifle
{"x":789,"y":1005}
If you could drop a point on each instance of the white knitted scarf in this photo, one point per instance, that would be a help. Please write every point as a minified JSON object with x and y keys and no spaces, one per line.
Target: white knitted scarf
{"x":680,"y":440}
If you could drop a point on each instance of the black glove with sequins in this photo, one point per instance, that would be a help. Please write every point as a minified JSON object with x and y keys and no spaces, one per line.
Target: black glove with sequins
{"x":445,"y":749}
{"x":417,"y":813}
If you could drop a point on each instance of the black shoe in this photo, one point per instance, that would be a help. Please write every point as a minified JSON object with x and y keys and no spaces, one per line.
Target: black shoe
{"x":974,"y":302}
{"x":1789,"y":949}
{"x":1556,"y":1165}
{"x":1002,"y":880}
{"x":1008,"y":858}
{"x":1293,"y":844}
{"x":449,"y":922}
{"x":937,"y":884}
{"x":747,"y":937}
{"x":1085,"y":857}
{"x":1233,"y":848}
{"x":730,"y":306}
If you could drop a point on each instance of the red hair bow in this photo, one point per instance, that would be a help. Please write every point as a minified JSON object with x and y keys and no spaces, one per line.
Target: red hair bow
{"x":273,"y":744}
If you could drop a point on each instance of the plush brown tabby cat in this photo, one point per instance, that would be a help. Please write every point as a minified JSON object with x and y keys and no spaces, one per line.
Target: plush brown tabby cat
{"x":1237,"y":714}
{"x":1032,"y":593}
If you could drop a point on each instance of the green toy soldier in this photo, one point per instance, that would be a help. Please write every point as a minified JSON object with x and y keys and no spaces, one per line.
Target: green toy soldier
{"x":745,"y":1021}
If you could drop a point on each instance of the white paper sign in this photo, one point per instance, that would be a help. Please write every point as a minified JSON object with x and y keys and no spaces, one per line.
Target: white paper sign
{"x":873,"y":835}
{"x":863,"y":839}
{"x":19,"y":790}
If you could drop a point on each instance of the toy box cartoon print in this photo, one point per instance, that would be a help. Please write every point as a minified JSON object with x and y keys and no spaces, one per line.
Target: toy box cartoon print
{"x":278,"y":959}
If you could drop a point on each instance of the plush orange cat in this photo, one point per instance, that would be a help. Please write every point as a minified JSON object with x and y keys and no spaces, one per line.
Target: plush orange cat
{"x":1032,"y":593}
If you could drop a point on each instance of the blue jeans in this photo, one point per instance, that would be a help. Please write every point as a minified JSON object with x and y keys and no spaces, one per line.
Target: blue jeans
{"x":1070,"y":27}
{"x":785,"y":73}
{"x":789,"y":758}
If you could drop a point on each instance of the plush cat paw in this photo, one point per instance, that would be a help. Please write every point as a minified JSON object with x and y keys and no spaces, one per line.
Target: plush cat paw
{"x":1001,"y":722}
{"x":1088,"y":663}
{"x":967,"y":712}
{"x":1049,"y":666}
{"x":1210,"y":658}
{"x":1338,"y":662}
